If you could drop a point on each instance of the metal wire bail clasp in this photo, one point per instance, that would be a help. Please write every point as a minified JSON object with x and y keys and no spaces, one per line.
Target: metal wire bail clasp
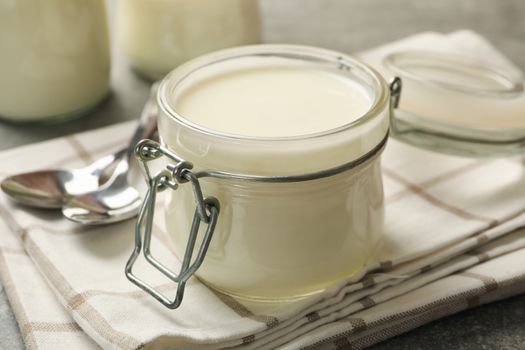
{"x":396,"y":86}
{"x":206,"y":211}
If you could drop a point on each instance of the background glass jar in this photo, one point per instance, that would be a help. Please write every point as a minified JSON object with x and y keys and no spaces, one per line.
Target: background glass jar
{"x":158,"y":35}
{"x":276,"y":239}
{"x":55,"y":59}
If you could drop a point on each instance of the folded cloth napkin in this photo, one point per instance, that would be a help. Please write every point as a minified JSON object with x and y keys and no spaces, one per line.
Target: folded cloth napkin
{"x":453,"y":239}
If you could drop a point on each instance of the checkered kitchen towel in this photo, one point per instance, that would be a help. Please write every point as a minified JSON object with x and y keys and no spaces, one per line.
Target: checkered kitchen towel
{"x":454,"y":239}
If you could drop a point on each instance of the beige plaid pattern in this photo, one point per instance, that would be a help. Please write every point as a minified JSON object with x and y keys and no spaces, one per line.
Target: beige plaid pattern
{"x":454,"y":239}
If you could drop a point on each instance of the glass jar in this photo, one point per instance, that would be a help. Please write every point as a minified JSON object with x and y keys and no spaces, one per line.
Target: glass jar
{"x":158,"y":35}
{"x":54,"y":61}
{"x":297,"y":213}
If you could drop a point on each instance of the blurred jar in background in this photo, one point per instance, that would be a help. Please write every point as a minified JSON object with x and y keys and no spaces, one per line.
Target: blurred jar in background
{"x":54,"y":58}
{"x":158,"y":35}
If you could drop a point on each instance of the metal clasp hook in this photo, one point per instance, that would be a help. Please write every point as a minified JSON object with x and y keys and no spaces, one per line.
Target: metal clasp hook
{"x":206,"y":211}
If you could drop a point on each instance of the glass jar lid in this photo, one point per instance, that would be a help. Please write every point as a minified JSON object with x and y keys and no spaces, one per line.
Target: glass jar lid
{"x":457,"y":104}
{"x":454,"y":72}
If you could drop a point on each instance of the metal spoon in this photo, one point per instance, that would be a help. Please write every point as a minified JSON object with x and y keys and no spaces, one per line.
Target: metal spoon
{"x":116,"y":200}
{"x":49,"y":188}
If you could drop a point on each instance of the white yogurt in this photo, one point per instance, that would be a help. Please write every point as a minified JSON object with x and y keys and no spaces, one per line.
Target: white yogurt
{"x":271,"y":102}
{"x":54,"y":60}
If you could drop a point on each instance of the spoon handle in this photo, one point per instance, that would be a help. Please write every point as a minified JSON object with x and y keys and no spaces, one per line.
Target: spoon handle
{"x":147,"y":122}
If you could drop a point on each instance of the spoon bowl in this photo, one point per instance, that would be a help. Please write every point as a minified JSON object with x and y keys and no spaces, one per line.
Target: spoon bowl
{"x":49,"y":189}
{"x":113,"y":202}
{"x":117,"y":200}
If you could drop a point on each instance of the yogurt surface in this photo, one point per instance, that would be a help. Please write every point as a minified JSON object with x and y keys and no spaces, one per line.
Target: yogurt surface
{"x":273,"y":102}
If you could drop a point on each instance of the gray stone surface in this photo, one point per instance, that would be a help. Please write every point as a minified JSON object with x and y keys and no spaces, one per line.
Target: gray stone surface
{"x":494,"y":326}
{"x":349,"y":26}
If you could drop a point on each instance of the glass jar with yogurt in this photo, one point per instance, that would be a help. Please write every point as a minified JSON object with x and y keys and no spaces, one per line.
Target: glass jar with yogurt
{"x":158,"y":35}
{"x":275,"y":153}
{"x":55,"y":59}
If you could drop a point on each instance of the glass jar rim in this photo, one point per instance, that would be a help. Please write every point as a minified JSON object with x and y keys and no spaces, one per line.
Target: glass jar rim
{"x":402,"y":63}
{"x":344,"y":62}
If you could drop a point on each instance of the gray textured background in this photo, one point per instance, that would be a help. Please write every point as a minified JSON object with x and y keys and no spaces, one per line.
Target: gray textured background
{"x":348,"y":26}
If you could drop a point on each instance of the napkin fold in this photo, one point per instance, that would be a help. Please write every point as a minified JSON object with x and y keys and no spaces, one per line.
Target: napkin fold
{"x":454,"y":238}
